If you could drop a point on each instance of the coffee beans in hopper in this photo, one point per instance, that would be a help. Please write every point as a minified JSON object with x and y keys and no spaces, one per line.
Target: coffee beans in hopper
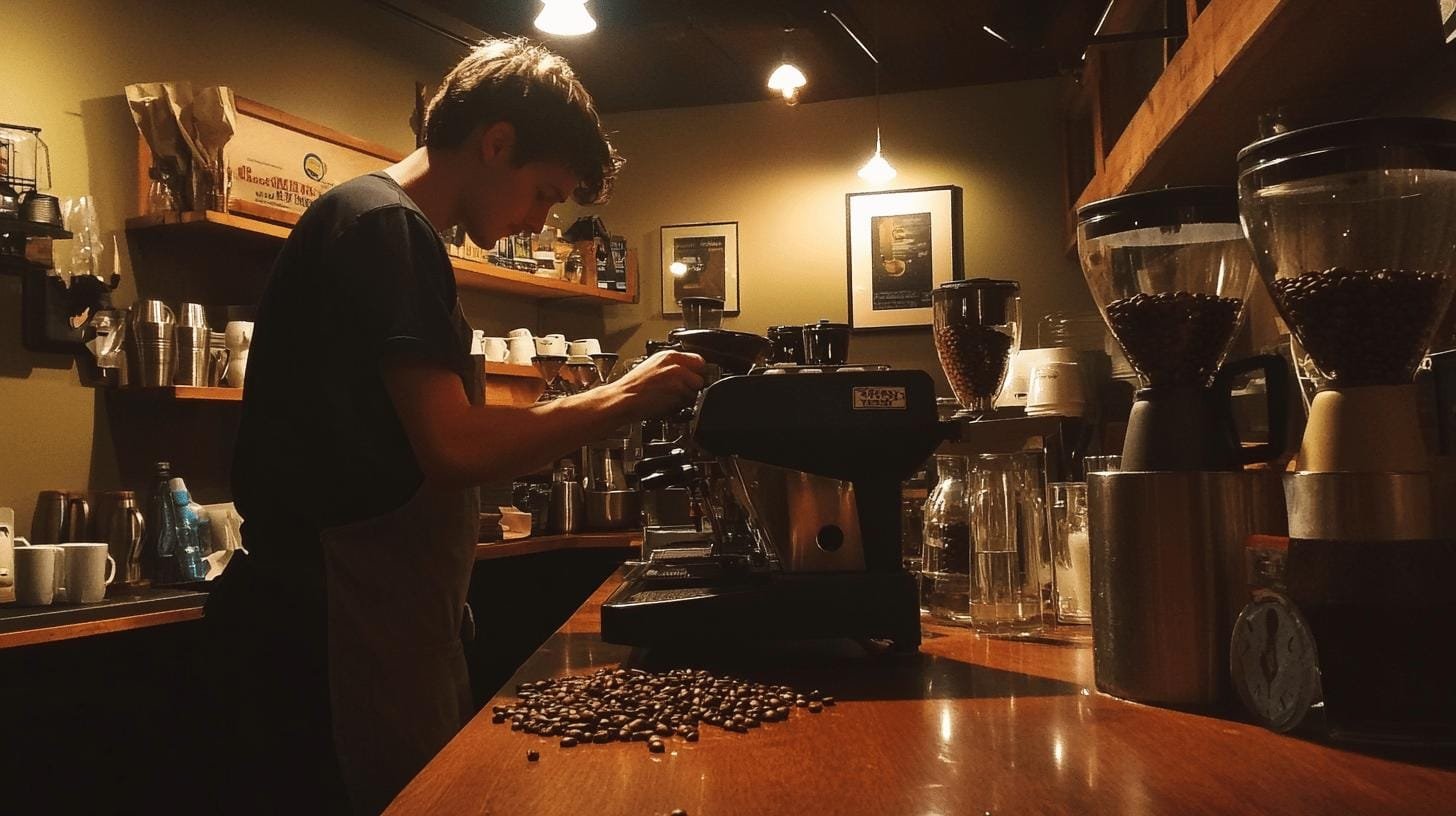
{"x":974,"y":359}
{"x":1363,"y":327}
{"x":1174,"y":338}
{"x":632,"y":705}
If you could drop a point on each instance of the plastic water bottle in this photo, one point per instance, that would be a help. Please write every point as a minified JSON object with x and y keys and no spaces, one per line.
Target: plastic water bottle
{"x":160,"y":566}
{"x":187,"y":553}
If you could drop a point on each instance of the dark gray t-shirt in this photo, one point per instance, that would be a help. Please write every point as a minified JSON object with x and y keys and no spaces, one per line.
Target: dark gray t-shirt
{"x":363,"y":276}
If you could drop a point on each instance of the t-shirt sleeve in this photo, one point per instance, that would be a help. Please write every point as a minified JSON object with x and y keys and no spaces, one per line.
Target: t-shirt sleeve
{"x":393,"y":288}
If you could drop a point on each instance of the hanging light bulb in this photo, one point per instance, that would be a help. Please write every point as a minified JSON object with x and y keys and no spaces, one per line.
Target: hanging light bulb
{"x":568,"y":18}
{"x":678,"y":268}
{"x":877,"y":170}
{"x":787,"y":79}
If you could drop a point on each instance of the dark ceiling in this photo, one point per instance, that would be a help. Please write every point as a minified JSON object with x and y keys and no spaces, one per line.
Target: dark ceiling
{"x":648,"y":54}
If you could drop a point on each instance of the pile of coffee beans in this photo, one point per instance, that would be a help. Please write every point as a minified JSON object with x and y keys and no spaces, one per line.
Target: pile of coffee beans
{"x":1174,"y":338}
{"x":974,"y":359}
{"x":1363,"y":326}
{"x":632,"y":705}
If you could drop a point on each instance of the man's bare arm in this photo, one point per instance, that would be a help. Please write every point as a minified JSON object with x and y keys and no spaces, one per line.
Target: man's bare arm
{"x":458,"y":444}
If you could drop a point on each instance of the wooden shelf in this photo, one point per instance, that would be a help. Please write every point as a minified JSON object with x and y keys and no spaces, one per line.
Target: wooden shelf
{"x":511,"y":370}
{"x":196,"y":393}
{"x":491,"y":278}
{"x":477,"y":275}
{"x":1313,"y":60}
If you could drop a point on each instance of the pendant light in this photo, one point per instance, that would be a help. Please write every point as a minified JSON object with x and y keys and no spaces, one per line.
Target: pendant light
{"x":877,"y":170}
{"x":567,"y":18}
{"x":787,"y":79}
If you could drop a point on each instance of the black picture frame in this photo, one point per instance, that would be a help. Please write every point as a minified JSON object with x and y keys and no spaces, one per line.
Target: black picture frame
{"x":707,"y":233}
{"x":927,"y":227}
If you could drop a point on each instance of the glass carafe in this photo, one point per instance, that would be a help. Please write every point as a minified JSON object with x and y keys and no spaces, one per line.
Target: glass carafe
{"x":1011,"y":587}
{"x":945,"y":574}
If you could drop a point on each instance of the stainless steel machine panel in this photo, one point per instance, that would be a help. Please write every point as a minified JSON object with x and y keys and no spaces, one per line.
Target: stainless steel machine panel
{"x":811,"y":523}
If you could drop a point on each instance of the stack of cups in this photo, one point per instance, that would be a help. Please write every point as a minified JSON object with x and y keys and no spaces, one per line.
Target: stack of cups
{"x":153,"y":331}
{"x":193,"y":340}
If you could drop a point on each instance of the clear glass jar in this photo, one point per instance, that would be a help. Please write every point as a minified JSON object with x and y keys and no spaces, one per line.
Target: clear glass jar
{"x":977,"y":330}
{"x":1011,"y":593}
{"x":945,"y":576}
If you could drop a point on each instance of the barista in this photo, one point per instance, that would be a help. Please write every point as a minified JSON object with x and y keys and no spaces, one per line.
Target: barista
{"x":338,"y":635}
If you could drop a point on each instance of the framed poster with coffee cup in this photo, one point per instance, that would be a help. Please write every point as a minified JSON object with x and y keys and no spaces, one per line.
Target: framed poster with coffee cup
{"x":700,"y":260}
{"x":901,"y":244}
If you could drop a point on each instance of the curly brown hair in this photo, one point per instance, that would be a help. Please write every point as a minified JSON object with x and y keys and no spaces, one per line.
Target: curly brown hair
{"x":514,"y":80}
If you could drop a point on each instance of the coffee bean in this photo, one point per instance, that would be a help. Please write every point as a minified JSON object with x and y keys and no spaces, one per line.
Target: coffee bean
{"x":656,"y":746}
{"x":816,"y":707}
{"x":974,"y":358}
{"x":1363,"y":326}
{"x":498,"y":718}
{"x":678,"y":812}
{"x":1175,"y":338}
{"x":568,"y":742}
{"x":533,"y":755}
{"x":634,"y":705}
{"x":829,"y":701}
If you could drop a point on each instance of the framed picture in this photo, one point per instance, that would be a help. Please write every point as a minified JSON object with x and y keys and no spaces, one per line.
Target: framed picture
{"x":700,"y":260}
{"x":901,"y":244}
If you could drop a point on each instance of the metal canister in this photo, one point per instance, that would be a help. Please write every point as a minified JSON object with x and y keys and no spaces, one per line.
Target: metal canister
{"x":1168,"y":577}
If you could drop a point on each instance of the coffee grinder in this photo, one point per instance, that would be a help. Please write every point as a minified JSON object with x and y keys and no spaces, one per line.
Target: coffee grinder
{"x":1351,"y":229}
{"x":1171,"y":274}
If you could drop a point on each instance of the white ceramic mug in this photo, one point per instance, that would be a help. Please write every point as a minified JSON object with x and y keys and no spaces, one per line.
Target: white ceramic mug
{"x":551,"y":345}
{"x":477,"y":342}
{"x":494,"y":349}
{"x":37,"y":573}
{"x":239,"y":334}
{"x":520,"y":350}
{"x":1056,"y":388}
{"x":88,"y":569}
{"x":518,"y":333}
{"x":237,"y":370}
{"x":586,"y":347}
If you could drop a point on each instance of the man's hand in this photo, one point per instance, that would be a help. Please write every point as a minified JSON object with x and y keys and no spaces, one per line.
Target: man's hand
{"x":663,"y":382}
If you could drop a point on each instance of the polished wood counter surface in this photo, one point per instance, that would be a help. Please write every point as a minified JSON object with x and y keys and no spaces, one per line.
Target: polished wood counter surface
{"x":626,"y":540}
{"x":968,"y":726}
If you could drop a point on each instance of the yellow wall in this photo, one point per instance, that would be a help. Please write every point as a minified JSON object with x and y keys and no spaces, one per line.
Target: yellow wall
{"x":782,"y":173}
{"x":342,"y":63}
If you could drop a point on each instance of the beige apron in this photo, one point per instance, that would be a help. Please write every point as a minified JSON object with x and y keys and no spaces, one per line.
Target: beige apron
{"x":397,"y":676}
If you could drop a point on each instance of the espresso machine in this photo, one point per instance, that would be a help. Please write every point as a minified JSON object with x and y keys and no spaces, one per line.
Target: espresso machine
{"x":1351,"y":229}
{"x":799,"y":471}
{"x":1171,"y":272}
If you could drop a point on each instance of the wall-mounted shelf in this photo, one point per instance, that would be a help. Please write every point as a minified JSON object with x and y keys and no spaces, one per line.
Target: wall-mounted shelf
{"x":194,"y":393}
{"x":511,"y":370}
{"x":469,"y":274}
{"x":1309,"y":60}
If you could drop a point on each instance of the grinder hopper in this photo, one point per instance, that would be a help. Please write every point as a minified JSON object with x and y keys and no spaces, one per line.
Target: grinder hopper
{"x":1171,"y":273}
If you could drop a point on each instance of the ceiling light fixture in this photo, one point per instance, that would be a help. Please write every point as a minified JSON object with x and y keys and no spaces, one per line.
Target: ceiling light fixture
{"x":992,"y":32}
{"x":787,"y":79}
{"x":566,"y":18}
{"x":877,"y":170}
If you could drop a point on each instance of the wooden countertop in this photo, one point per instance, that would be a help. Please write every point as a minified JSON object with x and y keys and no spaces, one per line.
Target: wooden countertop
{"x":627,"y":539}
{"x":968,"y":726}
